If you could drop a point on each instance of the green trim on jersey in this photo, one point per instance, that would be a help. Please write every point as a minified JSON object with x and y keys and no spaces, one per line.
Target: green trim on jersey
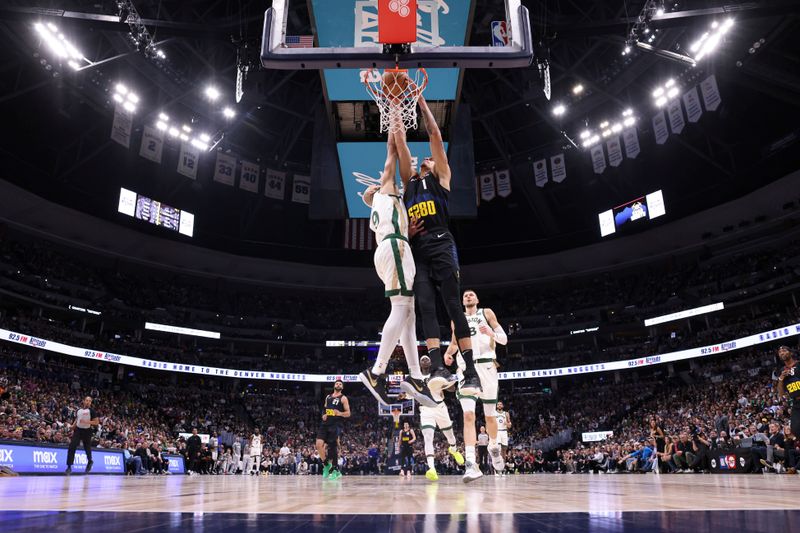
{"x":466,"y":397}
{"x":488,"y":401}
{"x":398,"y":263}
{"x":484,"y":360}
{"x":448,"y":427}
{"x":395,"y":236}
{"x":395,"y":292}
{"x":428,"y":427}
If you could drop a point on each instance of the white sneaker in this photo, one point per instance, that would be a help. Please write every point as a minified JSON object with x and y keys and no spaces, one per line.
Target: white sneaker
{"x":497,"y":458}
{"x":472,"y":473}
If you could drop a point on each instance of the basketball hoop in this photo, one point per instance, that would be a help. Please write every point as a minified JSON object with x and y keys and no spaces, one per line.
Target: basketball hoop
{"x":396,"y":94}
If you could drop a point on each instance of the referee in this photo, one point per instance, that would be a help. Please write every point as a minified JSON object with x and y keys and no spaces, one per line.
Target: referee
{"x":85,"y":420}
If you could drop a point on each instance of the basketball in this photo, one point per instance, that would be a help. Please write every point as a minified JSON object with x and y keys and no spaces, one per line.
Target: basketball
{"x":395,"y":85}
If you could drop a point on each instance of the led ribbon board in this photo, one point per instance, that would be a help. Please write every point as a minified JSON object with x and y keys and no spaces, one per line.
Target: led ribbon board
{"x":362,"y":165}
{"x":354,"y":23}
{"x":692,"y":353}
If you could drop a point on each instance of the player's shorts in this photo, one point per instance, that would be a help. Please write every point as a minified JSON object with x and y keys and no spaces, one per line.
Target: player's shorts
{"x":433,"y":417}
{"x":490,"y":384}
{"x":328,"y":432}
{"x":502,"y":437}
{"x":435,"y":255}
{"x":394,"y":264}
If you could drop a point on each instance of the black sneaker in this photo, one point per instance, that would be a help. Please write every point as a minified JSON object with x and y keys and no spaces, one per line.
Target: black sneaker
{"x":470,"y":385}
{"x":419,"y":390}
{"x":89,"y":466}
{"x":68,"y":471}
{"x":376,"y":386}
{"x":439,"y":379}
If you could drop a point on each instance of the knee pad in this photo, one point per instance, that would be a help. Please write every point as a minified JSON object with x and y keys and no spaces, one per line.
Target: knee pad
{"x":489,"y":409}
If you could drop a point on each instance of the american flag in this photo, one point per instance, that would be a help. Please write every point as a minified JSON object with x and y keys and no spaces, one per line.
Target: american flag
{"x":299,"y":41}
{"x":357,"y":235}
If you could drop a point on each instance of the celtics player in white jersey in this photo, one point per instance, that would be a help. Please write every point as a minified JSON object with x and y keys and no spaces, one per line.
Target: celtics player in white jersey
{"x":486,"y":332}
{"x":503,"y":425}
{"x":395,"y":266}
{"x":429,"y":419}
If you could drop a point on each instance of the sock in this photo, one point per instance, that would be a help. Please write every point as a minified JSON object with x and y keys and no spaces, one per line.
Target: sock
{"x":391,"y":332}
{"x":469,"y":451}
{"x":450,"y":436}
{"x":436,"y":358}
{"x":408,"y":338}
{"x":430,"y":463}
{"x":467,"y":355}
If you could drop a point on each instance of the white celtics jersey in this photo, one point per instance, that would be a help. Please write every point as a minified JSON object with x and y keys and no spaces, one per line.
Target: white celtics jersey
{"x":482,"y":345}
{"x":501,"y":420}
{"x":255,"y":447}
{"x":388,"y":216}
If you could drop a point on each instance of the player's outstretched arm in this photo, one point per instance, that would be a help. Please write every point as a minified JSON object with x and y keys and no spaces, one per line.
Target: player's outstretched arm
{"x":438,"y":152}
{"x":403,"y":155}
{"x":388,"y":185}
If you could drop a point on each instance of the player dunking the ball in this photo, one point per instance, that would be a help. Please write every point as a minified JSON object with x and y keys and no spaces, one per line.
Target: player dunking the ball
{"x":395,"y":266}
{"x":426,"y":198}
{"x":337,"y":407}
{"x":486,"y":332}
{"x":429,"y":419}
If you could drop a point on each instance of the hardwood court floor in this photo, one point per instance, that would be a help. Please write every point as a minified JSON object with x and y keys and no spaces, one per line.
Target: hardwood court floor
{"x":381,"y":495}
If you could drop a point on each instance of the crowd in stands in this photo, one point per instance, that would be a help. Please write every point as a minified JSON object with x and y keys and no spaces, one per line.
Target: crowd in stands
{"x":661,"y":420}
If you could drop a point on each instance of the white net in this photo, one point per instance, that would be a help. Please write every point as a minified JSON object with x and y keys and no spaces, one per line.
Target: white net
{"x":396,"y":94}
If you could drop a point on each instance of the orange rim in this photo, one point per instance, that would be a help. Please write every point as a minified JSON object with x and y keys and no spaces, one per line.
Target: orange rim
{"x":417,"y":88}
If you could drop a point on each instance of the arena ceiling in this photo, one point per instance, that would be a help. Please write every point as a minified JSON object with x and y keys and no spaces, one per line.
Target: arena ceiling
{"x":57,"y":120}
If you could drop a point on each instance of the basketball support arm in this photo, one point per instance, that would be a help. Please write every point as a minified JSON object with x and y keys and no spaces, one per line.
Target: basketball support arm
{"x":275,"y":55}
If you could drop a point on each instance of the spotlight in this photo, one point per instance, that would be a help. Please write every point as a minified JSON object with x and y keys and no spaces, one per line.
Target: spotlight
{"x":585,"y":134}
{"x":228,"y":112}
{"x":212,"y":93}
{"x":121,"y":89}
{"x":118,"y":98}
{"x":629,"y":121}
{"x":187,"y":129}
{"x":129,"y":106}
{"x":161,"y":125}
{"x":174,"y":132}
{"x":133,"y":98}
{"x":616,"y":128}
{"x":672,"y":93}
{"x":163,"y":117}
{"x":628,"y":112}
{"x":205,"y":137}
{"x":604,"y":125}
{"x":709,"y":41}
{"x":606,"y":133}
{"x":184,"y":137}
{"x":52,"y":27}
{"x":73,"y":64}
{"x":200,"y":145}
{"x":161,"y":54}
{"x":670,"y":83}
{"x":659,"y":11}
{"x":658,"y":92}
{"x":578,"y":89}
{"x":559,"y":110}
{"x":661,"y":101}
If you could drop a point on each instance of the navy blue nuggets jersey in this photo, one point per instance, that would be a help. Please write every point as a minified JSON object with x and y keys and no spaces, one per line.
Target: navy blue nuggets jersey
{"x":426,"y":199}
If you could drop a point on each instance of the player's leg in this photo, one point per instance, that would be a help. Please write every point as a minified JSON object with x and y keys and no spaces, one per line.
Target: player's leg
{"x":414,"y":385}
{"x":488,"y":376}
{"x":427,"y":436}
{"x":333,"y":458}
{"x":446,"y":427}
{"x":426,"y":303}
{"x":323,"y":453}
{"x":468,"y":404}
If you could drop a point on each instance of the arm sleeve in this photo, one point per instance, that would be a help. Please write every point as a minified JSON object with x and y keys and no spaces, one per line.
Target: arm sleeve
{"x":500,"y":335}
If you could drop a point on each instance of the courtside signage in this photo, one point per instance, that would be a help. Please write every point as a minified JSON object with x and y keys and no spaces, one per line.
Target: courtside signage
{"x":684,"y":314}
{"x":25,"y":459}
{"x":648,"y":360}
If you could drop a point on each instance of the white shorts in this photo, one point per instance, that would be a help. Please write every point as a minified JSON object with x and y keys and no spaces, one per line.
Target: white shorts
{"x":395,"y":266}
{"x":433,"y":417}
{"x":490,"y":385}
{"x":502,"y":437}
